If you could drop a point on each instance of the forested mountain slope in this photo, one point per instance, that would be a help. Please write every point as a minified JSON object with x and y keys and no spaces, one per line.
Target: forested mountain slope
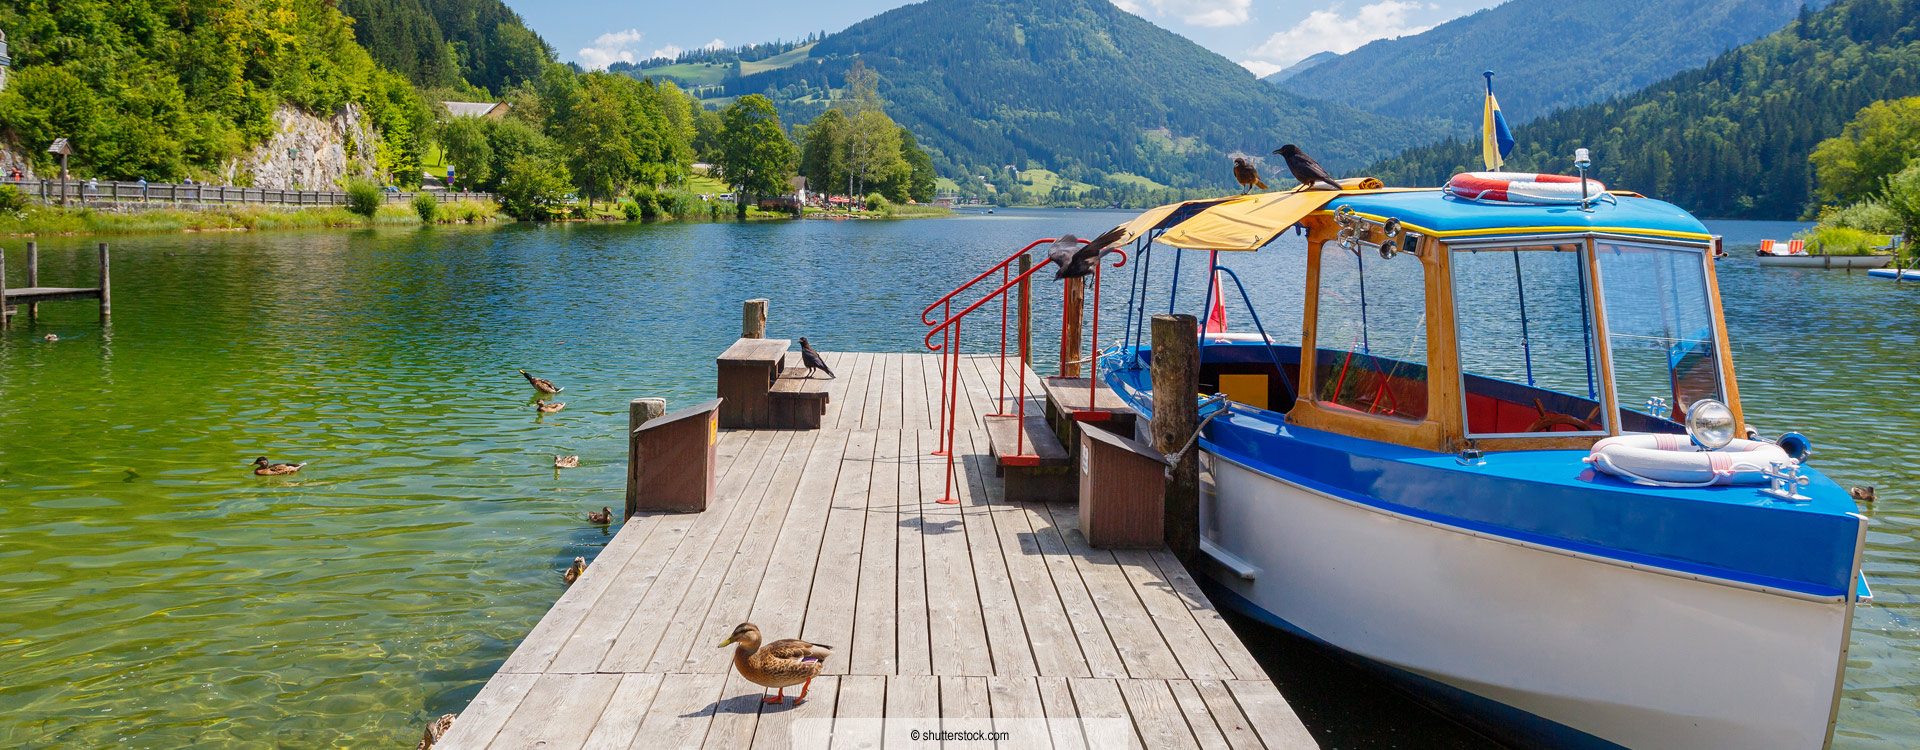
{"x":1547,"y":54}
{"x":440,"y":42}
{"x":1730,"y":139}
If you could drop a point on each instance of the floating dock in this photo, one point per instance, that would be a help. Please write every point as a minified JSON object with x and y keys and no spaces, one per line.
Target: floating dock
{"x":985,"y":615}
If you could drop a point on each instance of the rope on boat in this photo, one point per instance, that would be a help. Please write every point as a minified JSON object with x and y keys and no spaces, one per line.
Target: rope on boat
{"x":1173,"y":459}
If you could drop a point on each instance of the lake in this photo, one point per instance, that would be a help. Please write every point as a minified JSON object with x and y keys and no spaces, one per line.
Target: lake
{"x":160,"y":595}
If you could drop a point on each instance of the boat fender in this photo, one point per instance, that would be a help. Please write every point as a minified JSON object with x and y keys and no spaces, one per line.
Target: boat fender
{"x":1669,"y":460}
{"x":1522,"y":187}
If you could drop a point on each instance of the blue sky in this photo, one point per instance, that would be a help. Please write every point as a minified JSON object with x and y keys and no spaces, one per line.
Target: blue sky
{"x":1263,"y":35}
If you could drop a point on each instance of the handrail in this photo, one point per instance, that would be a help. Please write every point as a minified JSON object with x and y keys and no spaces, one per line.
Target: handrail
{"x":937,"y":327}
{"x":983,"y":275}
{"x":1264,"y":340}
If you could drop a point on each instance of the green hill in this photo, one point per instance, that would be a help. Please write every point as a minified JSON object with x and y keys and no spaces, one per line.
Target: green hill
{"x":1729,"y":139}
{"x":438,"y":43}
{"x":1548,"y":54}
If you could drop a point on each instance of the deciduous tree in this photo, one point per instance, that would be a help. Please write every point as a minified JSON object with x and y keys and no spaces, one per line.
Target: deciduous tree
{"x":755,"y":155}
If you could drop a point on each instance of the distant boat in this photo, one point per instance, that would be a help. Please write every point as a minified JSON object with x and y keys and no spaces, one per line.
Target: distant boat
{"x":1897,"y":274}
{"x":1795,"y":255}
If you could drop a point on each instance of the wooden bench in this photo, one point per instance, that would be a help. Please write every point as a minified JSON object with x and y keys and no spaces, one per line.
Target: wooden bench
{"x":755,"y":394}
{"x":1036,"y":467}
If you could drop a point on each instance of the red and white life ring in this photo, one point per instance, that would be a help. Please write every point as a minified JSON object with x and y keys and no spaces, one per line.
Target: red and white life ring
{"x":1673,"y":460}
{"x":1521,"y":187}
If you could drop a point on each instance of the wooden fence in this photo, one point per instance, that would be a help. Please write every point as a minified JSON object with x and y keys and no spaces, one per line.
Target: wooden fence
{"x":76,"y":191}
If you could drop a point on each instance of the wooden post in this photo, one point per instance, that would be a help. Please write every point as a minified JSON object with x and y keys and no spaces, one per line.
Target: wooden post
{"x":106,"y":286}
{"x":5,"y":320}
{"x":1076,"y":296}
{"x":63,"y":180}
{"x":1026,"y":307}
{"x":33,"y":277}
{"x":1176,"y":414}
{"x":753,"y":319}
{"x":639,"y":412}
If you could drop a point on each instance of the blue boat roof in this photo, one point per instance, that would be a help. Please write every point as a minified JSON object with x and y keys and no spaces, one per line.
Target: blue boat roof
{"x":1435,"y":213}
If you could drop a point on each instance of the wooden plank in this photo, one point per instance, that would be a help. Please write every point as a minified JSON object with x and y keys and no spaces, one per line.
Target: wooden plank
{"x":840,"y":363}
{"x":756,"y":351}
{"x":684,"y":635}
{"x":558,"y":712}
{"x":856,"y":376}
{"x":876,"y":621}
{"x":964,"y":706}
{"x":1156,"y":715}
{"x":911,"y":698}
{"x":1279,"y":728}
{"x":1063,"y":727}
{"x":921,"y":392}
{"x":876,"y":393}
{"x":1144,"y":652}
{"x":892,"y":386}
{"x":1015,"y":702}
{"x":1083,"y":615}
{"x":780,"y":605}
{"x":832,"y":599}
{"x":1056,"y":651}
{"x":1191,"y":646}
{"x":913,"y":647}
{"x":736,"y":716}
{"x":633,"y":648}
{"x":1225,"y":730}
{"x":625,"y":710}
{"x":537,"y":650}
{"x":733,"y":603}
{"x":776,"y":730}
{"x":1225,"y":641}
{"x":489,"y":710}
{"x":956,"y":624}
{"x":1095,"y":698}
{"x":681,"y":713}
{"x":1039,"y":440}
{"x":1007,"y":638}
{"x":858,"y":712}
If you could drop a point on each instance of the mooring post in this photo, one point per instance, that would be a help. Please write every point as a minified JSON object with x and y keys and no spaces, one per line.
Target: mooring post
{"x":106,"y":286}
{"x":1076,"y":295}
{"x":33,"y":277}
{"x":753,"y":319}
{"x":1176,"y":415}
{"x":1026,"y":306}
{"x":639,"y":412}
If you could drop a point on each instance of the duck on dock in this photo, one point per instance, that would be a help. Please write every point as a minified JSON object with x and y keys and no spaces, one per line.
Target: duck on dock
{"x":263,"y":468}
{"x":549,"y":407}
{"x":542,"y":385}
{"x":781,"y":664}
{"x":565,"y":462}
{"x":573,"y":574}
{"x":602,"y":516}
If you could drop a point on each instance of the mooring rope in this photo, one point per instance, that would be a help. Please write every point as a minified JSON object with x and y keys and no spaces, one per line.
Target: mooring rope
{"x":1173,"y":459}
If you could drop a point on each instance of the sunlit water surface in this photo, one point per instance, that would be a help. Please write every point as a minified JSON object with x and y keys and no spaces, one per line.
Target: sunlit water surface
{"x":157,"y":594}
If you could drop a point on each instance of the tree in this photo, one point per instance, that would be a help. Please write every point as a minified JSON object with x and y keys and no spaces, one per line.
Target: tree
{"x":873,"y":149}
{"x":755,"y":154}
{"x":533,"y":188}
{"x":823,"y":152}
{"x":1882,"y":138}
{"x":706,"y":135}
{"x":1902,"y":195}
{"x":921,"y":178}
{"x":465,"y":144}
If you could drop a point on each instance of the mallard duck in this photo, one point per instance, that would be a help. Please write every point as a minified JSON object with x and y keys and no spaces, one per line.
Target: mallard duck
{"x":50,"y":337}
{"x":1863,"y":493}
{"x":439,"y":728}
{"x":542,"y":385}
{"x":604,"y":515}
{"x":573,"y":574}
{"x":549,"y":407}
{"x":262,"y":468}
{"x":565,"y":462}
{"x":781,"y":664}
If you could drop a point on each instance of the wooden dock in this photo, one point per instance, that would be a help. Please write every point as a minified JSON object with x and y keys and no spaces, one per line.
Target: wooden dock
{"x":983,"y":615}
{"x":33,"y":293}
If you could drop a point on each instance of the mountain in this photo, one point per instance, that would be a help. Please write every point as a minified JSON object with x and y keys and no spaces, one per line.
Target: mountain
{"x":1300,"y":67}
{"x":1077,"y":87}
{"x":438,"y":43}
{"x":1729,"y":139}
{"x":1546,"y":54}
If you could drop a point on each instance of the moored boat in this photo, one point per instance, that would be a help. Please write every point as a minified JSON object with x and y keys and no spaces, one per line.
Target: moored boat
{"x":1896,"y":274}
{"x":1806,"y":260}
{"x":1501,"y":464}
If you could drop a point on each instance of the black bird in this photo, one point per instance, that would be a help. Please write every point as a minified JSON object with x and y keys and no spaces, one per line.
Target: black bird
{"x":1076,"y":261}
{"x":1246,"y":175}
{"x":813,"y":359}
{"x":1304,"y":168}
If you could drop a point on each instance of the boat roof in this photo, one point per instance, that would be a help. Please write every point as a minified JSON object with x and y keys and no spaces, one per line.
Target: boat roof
{"x":1434,"y":213}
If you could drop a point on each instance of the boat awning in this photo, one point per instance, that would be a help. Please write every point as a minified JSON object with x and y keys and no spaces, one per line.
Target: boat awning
{"x":1240,"y":223}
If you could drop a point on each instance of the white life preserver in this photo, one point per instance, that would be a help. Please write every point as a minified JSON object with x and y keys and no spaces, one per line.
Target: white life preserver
{"x":1672,"y":460}
{"x":1522,"y":187}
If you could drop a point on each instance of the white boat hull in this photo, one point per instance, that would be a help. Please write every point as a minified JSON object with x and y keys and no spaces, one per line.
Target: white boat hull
{"x":1634,"y":657}
{"x":1825,"y":261}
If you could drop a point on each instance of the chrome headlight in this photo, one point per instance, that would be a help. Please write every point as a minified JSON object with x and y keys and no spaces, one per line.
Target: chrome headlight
{"x":1710,"y":423}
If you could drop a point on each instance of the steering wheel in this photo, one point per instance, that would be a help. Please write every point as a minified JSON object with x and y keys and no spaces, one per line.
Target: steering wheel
{"x":1549,"y":420}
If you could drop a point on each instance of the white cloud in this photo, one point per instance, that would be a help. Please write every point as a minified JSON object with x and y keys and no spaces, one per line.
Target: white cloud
{"x":610,"y":48}
{"x":1195,"y":12}
{"x":1328,"y":31}
{"x":714,"y":45}
{"x":669,"y":52}
{"x":1260,"y":68}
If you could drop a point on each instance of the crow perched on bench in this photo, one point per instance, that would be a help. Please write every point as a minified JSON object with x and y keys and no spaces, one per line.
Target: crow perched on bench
{"x":813,"y":359}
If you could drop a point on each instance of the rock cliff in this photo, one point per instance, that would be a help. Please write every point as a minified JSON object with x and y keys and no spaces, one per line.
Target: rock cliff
{"x":307,"y":152}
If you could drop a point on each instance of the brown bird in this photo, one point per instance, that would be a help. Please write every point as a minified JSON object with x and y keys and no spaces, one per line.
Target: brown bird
{"x":542,"y":385}
{"x":781,"y":664}
{"x":549,"y":407}
{"x":1247,"y":176}
{"x":50,"y":337}
{"x":1304,"y":168}
{"x":1863,"y":494}
{"x":565,"y":462}
{"x":1076,"y":261}
{"x":265,"y":469}
{"x":604,"y":515}
{"x":439,"y":728}
{"x":573,"y":574}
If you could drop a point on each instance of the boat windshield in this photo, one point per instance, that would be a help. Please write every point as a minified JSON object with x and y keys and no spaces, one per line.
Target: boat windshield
{"x":1372,"y":334}
{"x":1660,"y":330}
{"x":1528,"y":354}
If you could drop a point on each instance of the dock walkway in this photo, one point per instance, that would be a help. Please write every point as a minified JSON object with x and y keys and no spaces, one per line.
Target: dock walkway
{"x":982,"y":615}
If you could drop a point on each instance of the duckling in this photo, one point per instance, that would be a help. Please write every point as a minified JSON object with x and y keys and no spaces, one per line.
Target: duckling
{"x":1863,"y":494}
{"x":604,"y":515}
{"x":50,"y":337}
{"x":436,"y":730}
{"x":265,"y":469}
{"x":565,"y":462}
{"x":542,"y":385}
{"x":573,"y":574}
{"x":549,"y":407}
{"x":781,"y":664}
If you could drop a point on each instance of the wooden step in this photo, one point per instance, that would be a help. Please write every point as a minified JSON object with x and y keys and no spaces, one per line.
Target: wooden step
{"x":1041,"y":447}
{"x":797,"y":402}
{"x":1070,"y":395}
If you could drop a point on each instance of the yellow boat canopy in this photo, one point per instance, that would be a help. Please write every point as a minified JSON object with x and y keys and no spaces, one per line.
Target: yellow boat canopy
{"x":1243,"y":223}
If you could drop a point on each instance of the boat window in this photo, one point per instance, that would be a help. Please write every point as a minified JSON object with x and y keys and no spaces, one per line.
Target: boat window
{"x":1660,"y":331}
{"x":1371,"y":334}
{"x":1530,"y":359}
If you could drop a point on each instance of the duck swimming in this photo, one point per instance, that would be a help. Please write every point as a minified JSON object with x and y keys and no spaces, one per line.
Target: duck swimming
{"x":265,"y":469}
{"x":573,"y":574}
{"x":603,"y":515}
{"x":565,"y":462}
{"x":780,"y":664}
{"x":542,"y":385}
{"x":549,"y":407}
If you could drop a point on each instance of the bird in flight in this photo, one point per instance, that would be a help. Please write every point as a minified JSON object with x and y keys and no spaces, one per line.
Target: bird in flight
{"x":1248,"y":177}
{"x":1075,"y":260}
{"x":1305,"y":169}
{"x":813,"y":359}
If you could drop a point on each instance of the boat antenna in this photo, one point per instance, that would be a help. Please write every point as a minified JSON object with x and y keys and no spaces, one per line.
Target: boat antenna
{"x":1582,"y":161}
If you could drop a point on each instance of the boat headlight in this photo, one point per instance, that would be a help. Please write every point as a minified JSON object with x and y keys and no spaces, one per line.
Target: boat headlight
{"x":1710,"y":423}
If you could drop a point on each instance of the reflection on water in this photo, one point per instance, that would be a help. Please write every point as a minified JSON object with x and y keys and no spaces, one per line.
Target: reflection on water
{"x":160,"y":595}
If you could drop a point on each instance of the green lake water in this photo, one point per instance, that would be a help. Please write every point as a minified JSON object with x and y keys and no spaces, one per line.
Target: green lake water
{"x":159,"y":595}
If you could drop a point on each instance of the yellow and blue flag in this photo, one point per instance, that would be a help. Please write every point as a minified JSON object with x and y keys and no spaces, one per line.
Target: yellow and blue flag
{"x":1496,"y":138}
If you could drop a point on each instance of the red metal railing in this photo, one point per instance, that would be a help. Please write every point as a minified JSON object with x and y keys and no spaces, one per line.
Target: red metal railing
{"x":946,"y":302}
